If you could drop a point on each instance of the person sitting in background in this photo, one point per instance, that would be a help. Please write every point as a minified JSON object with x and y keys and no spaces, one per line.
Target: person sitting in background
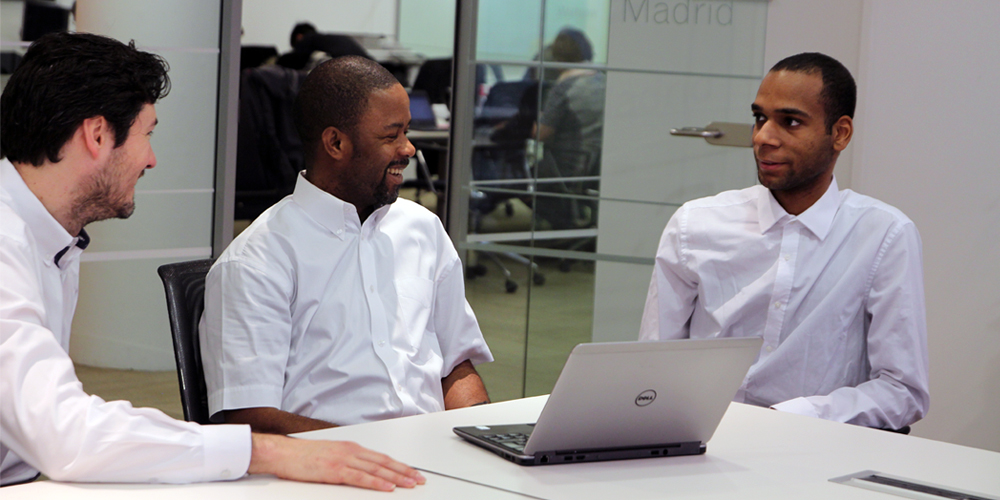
{"x":306,"y":40}
{"x":77,"y":117}
{"x":571,"y":127}
{"x":339,"y":304}
{"x":832,"y":280}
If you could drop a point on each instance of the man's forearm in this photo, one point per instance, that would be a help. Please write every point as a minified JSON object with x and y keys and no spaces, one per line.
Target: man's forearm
{"x":274,"y":421}
{"x":463,"y":387}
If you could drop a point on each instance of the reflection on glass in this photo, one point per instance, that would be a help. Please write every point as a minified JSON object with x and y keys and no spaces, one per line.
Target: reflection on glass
{"x":508,"y":30}
{"x":501,"y":155}
{"x":560,"y":316}
{"x":503,"y":319}
{"x":586,"y":16}
{"x":570,"y":129}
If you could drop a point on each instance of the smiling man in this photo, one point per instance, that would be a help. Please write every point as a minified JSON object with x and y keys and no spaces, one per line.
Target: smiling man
{"x":77,"y":117}
{"x":339,"y":304}
{"x":832,"y":280}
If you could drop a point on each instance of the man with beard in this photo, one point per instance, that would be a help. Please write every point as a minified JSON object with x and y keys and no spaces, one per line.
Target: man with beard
{"x":77,"y":117}
{"x":339,"y":304}
{"x":832,"y":280}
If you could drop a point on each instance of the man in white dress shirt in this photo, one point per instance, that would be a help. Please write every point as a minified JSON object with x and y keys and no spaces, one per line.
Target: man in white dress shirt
{"x":832,"y":280}
{"x":339,"y":304}
{"x":77,"y":117}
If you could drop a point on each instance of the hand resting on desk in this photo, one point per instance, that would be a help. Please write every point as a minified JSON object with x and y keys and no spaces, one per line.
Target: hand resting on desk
{"x":334,"y":462}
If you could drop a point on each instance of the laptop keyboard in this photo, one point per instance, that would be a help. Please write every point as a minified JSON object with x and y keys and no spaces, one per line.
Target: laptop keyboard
{"x":515,"y":440}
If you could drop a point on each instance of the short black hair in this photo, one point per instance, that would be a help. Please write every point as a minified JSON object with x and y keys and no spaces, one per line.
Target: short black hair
{"x":66,"y":78}
{"x":301,"y":29}
{"x":335,"y":94}
{"x":839,"y":94}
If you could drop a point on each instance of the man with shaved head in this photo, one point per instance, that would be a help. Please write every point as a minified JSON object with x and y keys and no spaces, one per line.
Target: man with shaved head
{"x":340,"y":304}
{"x":832,"y":280}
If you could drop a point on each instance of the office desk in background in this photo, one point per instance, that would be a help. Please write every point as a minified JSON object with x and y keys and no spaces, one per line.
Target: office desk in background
{"x":755,"y":454}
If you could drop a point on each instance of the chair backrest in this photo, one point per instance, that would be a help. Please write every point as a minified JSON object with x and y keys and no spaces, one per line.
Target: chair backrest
{"x":184,"y":283}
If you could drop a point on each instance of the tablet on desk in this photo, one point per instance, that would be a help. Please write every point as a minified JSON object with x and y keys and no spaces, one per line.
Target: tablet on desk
{"x":622,"y":400}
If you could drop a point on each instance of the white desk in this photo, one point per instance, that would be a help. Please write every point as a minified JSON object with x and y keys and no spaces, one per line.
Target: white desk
{"x":755,"y":454}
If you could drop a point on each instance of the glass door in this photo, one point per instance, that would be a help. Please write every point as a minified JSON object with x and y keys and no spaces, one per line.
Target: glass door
{"x":565,"y":170}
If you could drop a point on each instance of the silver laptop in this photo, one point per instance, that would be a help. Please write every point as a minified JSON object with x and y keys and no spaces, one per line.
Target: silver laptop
{"x":624,"y":400}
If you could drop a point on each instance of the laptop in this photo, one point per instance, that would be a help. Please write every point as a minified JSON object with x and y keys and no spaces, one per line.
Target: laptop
{"x":622,"y":400}
{"x":421,"y":113}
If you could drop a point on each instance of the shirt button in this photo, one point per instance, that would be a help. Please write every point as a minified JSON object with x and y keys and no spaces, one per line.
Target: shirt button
{"x":769,"y":348}
{"x":381,"y":343}
{"x":371,"y":288}
{"x":225,"y":474}
{"x":777,"y":305}
{"x":787,"y":257}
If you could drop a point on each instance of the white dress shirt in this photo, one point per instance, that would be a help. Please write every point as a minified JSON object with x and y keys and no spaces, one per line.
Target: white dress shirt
{"x":836,"y":292}
{"x":312,"y":312}
{"x":47,"y":422}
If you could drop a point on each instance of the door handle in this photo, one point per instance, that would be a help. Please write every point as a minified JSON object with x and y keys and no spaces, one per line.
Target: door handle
{"x":695,"y":132}
{"x":720,"y":134}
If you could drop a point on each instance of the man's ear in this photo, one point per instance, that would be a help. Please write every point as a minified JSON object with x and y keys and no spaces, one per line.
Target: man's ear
{"x":842,"y":131}
{"x":336,"y":143}
{"x":98,"y":137}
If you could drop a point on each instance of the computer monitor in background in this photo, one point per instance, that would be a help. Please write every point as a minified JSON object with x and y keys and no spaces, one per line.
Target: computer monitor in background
{"x":421,"y":113}
{"x":42,"y":17}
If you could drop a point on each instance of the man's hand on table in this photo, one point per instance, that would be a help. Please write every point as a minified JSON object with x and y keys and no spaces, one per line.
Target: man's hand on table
{"x":334,"y":462}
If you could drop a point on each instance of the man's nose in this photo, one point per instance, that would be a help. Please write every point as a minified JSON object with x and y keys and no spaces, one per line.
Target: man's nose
{"x":765,"y":134}
{"x":408,"y":150}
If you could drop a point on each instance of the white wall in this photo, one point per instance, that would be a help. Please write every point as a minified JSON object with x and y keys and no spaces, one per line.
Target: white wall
{"x":270,"y":22}
{"x":927,"y":142}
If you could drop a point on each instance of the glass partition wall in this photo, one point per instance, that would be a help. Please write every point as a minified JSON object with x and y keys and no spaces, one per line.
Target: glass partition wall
{"x":564,"y":169}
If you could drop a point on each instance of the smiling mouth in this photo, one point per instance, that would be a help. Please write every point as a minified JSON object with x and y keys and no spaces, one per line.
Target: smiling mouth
{"x":396,"y":168}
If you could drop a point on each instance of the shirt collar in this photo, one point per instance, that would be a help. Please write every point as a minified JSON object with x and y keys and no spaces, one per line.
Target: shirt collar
{"x":818,"y":218}
{"x":328,"y":210}
{"x":52,"y":238}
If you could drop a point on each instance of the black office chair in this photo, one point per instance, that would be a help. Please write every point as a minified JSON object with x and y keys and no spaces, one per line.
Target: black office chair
{"x":184,"y":283}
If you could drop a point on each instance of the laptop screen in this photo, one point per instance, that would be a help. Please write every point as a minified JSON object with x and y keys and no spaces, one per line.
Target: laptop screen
{"x":421,"y":114}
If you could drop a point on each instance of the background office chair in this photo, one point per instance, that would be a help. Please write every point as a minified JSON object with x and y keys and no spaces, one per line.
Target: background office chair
{"x":269,"y":153}
{"x":184,"y":283}
{"x":506,"y":119}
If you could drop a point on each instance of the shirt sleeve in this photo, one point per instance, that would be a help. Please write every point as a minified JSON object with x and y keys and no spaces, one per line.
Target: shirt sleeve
{"x":457,"y":329}
{"x":897,"y":392}
{"x":245,"y":337}
{"x":49,"y":422}
{"x":673,"y":288}
{"x":556,"y":108}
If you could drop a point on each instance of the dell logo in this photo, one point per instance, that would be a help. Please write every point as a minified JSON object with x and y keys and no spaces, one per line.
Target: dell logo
{"x":645,"y":398}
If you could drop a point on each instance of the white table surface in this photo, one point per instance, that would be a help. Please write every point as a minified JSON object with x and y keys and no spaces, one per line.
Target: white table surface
{"x":756,"y":453}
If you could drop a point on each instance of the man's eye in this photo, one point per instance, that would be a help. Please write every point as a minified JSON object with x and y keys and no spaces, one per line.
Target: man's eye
{"x":792,"y":122}
{"x":758,"y":118}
